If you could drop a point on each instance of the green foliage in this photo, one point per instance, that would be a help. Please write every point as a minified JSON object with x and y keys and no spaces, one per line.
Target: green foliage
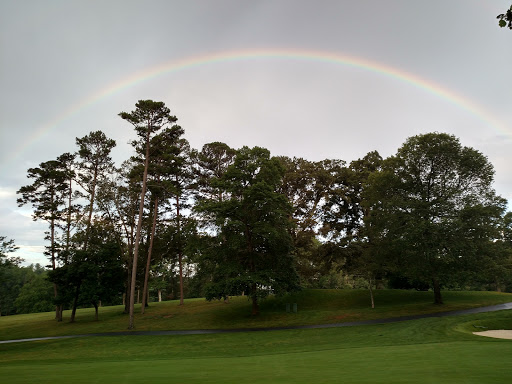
{"x":427,"y":216}
{"x":307,"y":186}
{"x":148,"y":117}
{"x":432,"y":209}
{"x":505,"y":19}
{"x":7,"y":246}
{"x":9,"y":279}
{"x":35,"y":296}
{"x":23,"y":289}
{"x":252,"y":250}
{"x":210,"y":164}
{"x":93,"y":167}
{"x":45,"y":193}
{"x":91,"y":276}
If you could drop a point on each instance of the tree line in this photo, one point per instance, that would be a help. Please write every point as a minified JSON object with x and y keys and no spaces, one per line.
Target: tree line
{"x":220,"y":221}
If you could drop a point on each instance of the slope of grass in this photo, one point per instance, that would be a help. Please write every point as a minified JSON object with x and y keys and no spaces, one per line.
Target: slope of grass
{"x":314,"y":307}
{"x":434,"y":350}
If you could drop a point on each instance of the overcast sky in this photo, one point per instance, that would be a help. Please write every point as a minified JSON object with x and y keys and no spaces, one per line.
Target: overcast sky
{"x":315,"y":79}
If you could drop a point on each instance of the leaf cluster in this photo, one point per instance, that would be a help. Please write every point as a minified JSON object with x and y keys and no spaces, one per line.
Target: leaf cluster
{"x":505,"y":19}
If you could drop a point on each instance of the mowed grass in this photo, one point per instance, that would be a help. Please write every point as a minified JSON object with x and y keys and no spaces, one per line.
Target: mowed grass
{"x":434,"y":350}
{"x":314,"y":307}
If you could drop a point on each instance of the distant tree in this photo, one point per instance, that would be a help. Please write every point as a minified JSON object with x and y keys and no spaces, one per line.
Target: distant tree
{"x":252,"y":251}
{"x":495,"y":269}
{"x":8,"y":276}
{"x":433,"y":208}
{"x":147,"y":119}
{"x":505,"y":19}
{"x":36,"y":295}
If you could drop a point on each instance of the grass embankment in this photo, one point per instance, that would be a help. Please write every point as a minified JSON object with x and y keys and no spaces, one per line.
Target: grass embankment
{"x":431,"y":350}
{"x":314,"y":307}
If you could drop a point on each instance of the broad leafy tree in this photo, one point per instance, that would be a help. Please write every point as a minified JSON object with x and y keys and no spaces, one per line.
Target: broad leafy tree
{"x":92,"y":276}
{"x":36,"y":295}
{"x":433,"y":208}
{"x":307,"y":186}
{"x":252,"y":251}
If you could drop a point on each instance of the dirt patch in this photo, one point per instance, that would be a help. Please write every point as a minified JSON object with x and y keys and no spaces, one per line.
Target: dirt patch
{"x":496,"y":333}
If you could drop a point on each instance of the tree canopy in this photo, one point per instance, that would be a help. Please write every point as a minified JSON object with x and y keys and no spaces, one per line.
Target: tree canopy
{"x":179,"y":222}
{"x":252,"y":249}
{"x":433,"y":208}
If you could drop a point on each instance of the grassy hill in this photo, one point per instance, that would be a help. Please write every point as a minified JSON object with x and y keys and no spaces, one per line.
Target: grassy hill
{"x":431,"y":350}
{"x":314,"y":307}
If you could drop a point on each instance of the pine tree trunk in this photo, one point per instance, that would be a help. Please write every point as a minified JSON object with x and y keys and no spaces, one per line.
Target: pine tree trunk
{"x":60,"y":310}
{"x":181,"y":278}
{"x":159,"y":295}
{"x":148,"y":264}
{"x":126,"y":295}
{"x":180,"y":256}
{"x":58,"y":316}
{"x":131,"y":324}
{"x":370,"y":283}
{"x":75,"y":304}
{"x":68,"y":226}
{"x":255,"y":305}
{"x":91,"y":208}
{"x":437,"y":291}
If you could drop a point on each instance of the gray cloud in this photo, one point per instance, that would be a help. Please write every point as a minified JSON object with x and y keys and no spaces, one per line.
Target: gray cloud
{"x":55,"y":54}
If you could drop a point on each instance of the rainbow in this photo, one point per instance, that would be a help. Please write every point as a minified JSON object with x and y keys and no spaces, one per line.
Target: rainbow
{"x":288,"y":54}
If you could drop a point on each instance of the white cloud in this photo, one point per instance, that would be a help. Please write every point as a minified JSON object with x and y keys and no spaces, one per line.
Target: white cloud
{"x":7,"y":193}
{"x":31,"y":254}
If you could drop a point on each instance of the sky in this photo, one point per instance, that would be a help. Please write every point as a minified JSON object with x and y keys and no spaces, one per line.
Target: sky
{"x":315,"y":79}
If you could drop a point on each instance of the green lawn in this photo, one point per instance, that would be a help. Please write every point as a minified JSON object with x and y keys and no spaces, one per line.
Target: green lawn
{"x":435,"y":350}
{"x":314,"y":307}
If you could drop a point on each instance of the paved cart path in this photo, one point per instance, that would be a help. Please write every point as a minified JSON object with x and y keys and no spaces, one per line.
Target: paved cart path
{"x":491,"y":308}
